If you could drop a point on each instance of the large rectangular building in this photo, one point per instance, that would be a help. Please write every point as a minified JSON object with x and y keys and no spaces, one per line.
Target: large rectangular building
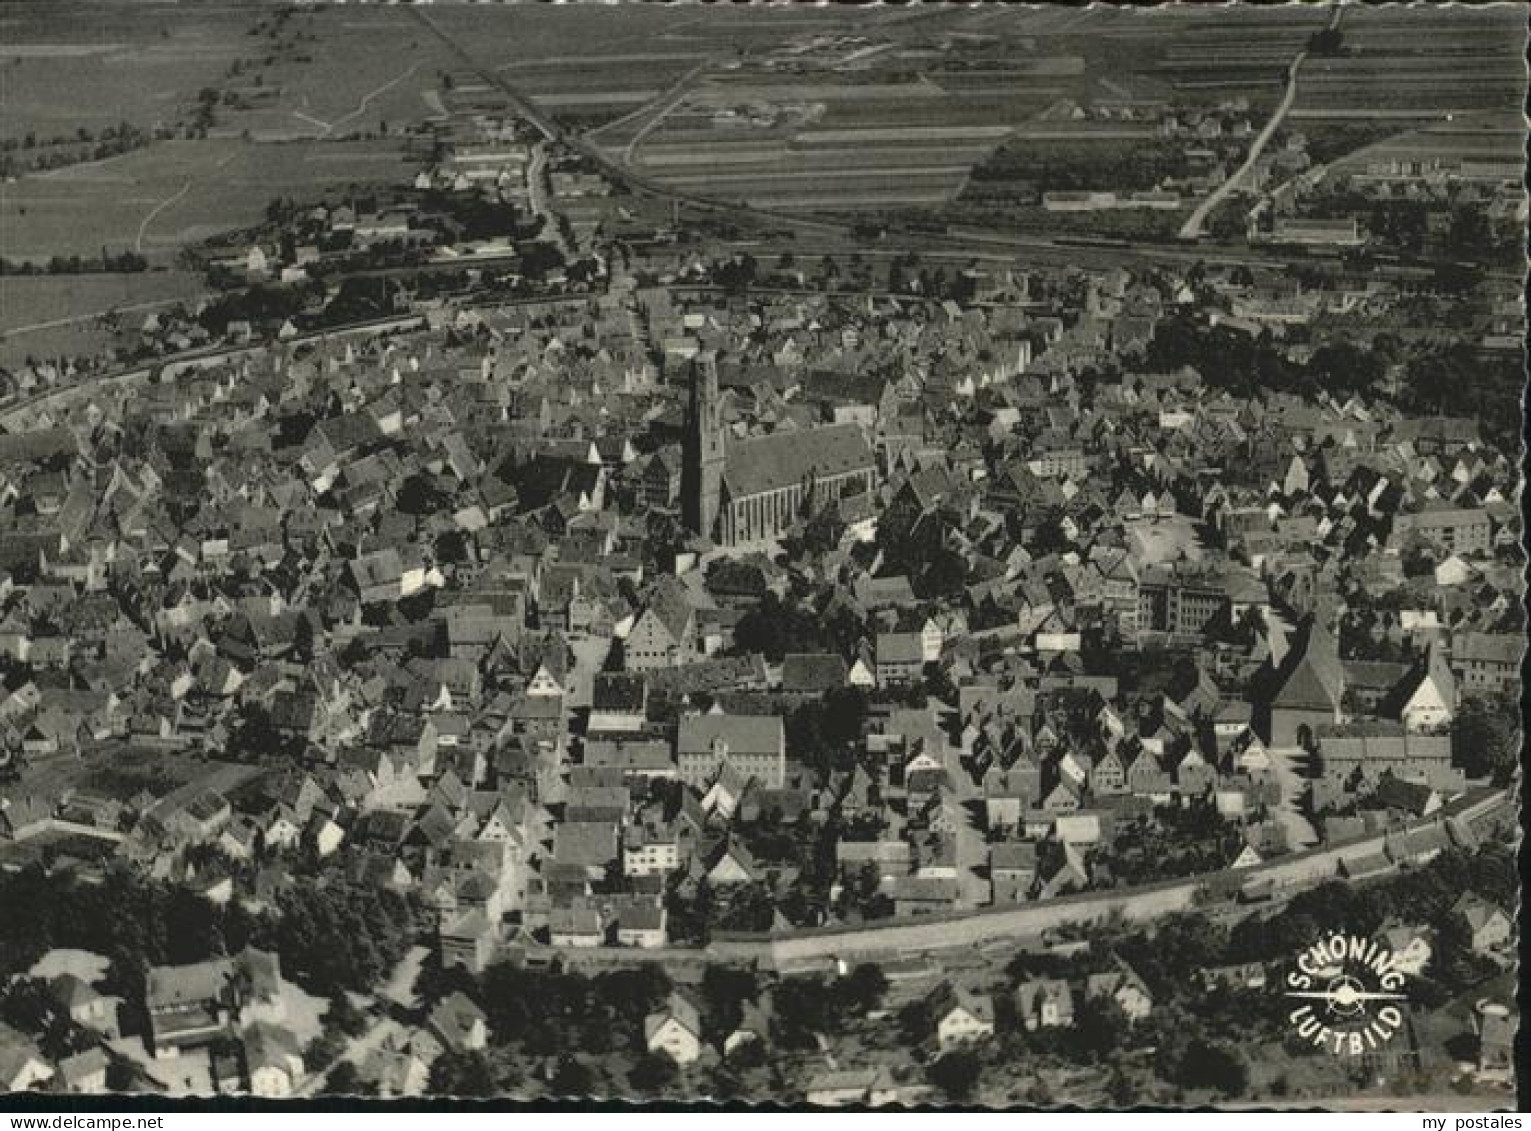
{"x":755,"y":745}
{"x":1458,"y":530}
{"x":1413,"y":758}
{"x":1486,"y":662}
{"x":1178,"y":603}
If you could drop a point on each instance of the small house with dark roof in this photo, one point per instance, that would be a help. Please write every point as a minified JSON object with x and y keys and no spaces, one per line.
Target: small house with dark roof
{"x":273,"y":1060}
{"x":83,"y":1073}
{"x":900,"y":658}
{"x":618,"y":703}
{"x":459,"y":1024}
{"x":580,"y":927}
{"x":86,"y":1005}
{"x":809,"y":675}
{"x":1404,"y":799}
{"x":1044,"y":1003}
{"x":735,"y":864}
{"x":1125,"y":988}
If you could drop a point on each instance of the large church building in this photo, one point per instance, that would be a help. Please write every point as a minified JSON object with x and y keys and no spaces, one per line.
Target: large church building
{"x":748,"y":492}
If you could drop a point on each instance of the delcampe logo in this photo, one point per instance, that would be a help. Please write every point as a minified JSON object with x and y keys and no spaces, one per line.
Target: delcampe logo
{"x":1350,"y":989}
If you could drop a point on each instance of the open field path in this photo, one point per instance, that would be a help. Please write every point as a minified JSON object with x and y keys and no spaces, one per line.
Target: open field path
{"x":661,"y":102}
{"x":138,"y":242}
{"x":143,"y":227}
{"x":311,"y":120}
{"x":78,"y":166}
{"x":328,"y":128}
{"x":660,"y":108}
{"x":361,"y":107}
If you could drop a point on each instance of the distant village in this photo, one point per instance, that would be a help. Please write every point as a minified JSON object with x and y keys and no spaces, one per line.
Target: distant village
{"x":671,"y":608}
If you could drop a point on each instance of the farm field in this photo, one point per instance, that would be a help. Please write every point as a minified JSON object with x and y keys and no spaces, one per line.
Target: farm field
{"x":826,"y":188}
{"x":798,"y":107}
{"x":970,"y":109}
{"x":1431,"y":63}
{"x":1428,"y":30}
{"x":328,"y":72}
{"x":316,"y":75}
{"x":1488,"y":137}
{"x":27,"y":300}
{"x":500,"y":36}
{"x":66,"y":65}
{"x":621,"y":84}
{"x":49,"y":315}
{"x":810,"y":114}
{"x":1427,"y":85}
{"x":1197,"y":56}
{"x":832,"y":170}
{"x":159,"y":199}
{"x":354,"y":73}
{"x":334,"y":73}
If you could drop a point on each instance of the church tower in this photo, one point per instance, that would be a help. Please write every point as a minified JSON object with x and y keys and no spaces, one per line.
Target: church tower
{"x":701,"y":477}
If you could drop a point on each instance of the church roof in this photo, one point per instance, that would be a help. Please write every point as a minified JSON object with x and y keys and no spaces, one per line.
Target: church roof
{"x":784,"y":459}
{"x":1315,"y":679}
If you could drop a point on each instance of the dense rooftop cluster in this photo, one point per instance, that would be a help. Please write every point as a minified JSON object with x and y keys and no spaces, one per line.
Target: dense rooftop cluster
{"x":432,"y":593}
{"x":689,"y":606}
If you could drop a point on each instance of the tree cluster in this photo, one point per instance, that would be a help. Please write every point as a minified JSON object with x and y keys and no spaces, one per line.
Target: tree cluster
{"x":776,"y":627}
{"x":809,"y":1006}
{"x":107,"y":263}
{"x":134,"y":921}
{"x":1485,"y":738}
{"x":335,"y":937}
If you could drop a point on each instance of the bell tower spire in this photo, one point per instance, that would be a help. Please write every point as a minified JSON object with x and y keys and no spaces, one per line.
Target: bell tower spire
{"x":703,"y":452}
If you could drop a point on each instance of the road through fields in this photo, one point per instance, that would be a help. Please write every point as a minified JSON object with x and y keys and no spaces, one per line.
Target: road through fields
{"x":1191,"y":229}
